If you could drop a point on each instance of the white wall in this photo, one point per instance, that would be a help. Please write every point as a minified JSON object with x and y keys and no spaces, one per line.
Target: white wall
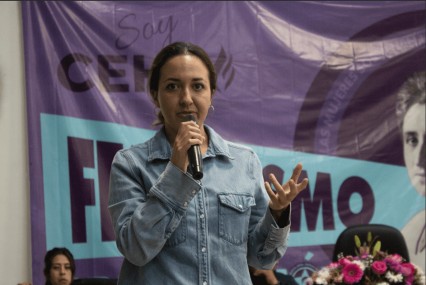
{"x":15,"y":233}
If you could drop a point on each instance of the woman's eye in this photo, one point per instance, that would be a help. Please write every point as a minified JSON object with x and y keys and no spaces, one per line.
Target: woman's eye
{"x":411,"y":140}
{"x":198,"y":86}
{"x":171,"y":86}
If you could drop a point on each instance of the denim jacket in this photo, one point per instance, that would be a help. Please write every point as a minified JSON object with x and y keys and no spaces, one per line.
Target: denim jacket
{"x":173,"y":229}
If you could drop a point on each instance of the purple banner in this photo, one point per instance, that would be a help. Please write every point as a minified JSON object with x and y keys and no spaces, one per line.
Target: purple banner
{"x":314,"y":82}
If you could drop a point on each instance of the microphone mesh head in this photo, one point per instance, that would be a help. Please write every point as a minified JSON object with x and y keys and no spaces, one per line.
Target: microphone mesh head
{"x":190,"y":117}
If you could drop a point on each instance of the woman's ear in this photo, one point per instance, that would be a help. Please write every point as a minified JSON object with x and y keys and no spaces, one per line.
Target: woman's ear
{"x":155,"y":99}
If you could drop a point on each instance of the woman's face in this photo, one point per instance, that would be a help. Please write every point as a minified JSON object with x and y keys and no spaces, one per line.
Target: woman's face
{"x":60,"y":272}
{"x":184,"y":88}
{"x":413,"y":129}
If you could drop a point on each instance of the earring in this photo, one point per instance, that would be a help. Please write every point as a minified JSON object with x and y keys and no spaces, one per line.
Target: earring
{"x":212,"y":107}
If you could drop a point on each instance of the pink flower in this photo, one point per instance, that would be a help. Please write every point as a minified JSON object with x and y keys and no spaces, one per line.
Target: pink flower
{"x":364,"y":256}
{"x":379,"y":267}
{"x":344,"y":261}
{"x":407,"y":269}
{"x":352,"y":273}
{"x":394,"y":258}
{"x":333,"y":265}
{"x":394,"y":262}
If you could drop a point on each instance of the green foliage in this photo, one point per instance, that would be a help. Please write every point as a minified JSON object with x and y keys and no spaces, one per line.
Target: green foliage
{"x":371,"y":246}
{"x":357,"y":241}
{"x":376,"y":247}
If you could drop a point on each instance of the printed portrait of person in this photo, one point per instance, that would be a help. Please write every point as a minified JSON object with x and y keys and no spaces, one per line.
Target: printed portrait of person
{"x":410,"y":110}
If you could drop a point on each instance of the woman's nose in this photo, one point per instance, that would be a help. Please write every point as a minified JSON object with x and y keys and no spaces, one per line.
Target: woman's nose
{"x":185,"y":96}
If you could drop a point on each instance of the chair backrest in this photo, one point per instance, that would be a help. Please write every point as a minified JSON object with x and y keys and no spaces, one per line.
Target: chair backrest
{"x":392,"y":241}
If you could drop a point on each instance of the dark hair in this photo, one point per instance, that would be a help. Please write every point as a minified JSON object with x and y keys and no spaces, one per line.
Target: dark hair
{"x":411,"y":92}
{"x":172,"y":50}
{"x":48,"y":259}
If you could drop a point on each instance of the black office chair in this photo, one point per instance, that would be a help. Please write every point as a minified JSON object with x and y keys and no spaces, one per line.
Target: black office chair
{"x":392,"y":241}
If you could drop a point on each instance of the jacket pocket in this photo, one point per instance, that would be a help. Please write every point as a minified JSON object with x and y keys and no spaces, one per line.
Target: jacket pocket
{"x":234,"y":216}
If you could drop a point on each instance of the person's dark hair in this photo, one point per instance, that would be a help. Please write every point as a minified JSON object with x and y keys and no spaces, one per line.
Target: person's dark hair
{"x":48,"y":259}
{"x":411,"y":92}
{"x":172,"y":50}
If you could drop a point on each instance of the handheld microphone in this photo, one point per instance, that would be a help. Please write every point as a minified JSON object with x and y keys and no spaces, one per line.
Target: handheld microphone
{"x":194,"y":156}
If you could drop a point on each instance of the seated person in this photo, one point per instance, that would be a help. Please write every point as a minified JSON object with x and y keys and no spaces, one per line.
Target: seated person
{"x":59,"y":267}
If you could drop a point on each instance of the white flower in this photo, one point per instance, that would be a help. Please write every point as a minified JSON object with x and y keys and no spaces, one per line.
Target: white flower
{"x":394,"y":278}
{"x":309,"y":281}
{"x":323,"y":274}
{"x":420,"y":279}
{"x":360,"y":264}
{"x":382,"y":283}
{"x":419,"y":270}
{"x":321,"y":280}
{"x":420,"y":275}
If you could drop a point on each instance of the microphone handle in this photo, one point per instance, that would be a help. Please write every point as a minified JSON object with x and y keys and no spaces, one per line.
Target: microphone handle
{"x":195,"y":162}
{"x":194,"y":157}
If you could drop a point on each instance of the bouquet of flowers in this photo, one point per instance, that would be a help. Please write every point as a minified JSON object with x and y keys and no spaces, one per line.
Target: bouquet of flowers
{"x":370,"y":267}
